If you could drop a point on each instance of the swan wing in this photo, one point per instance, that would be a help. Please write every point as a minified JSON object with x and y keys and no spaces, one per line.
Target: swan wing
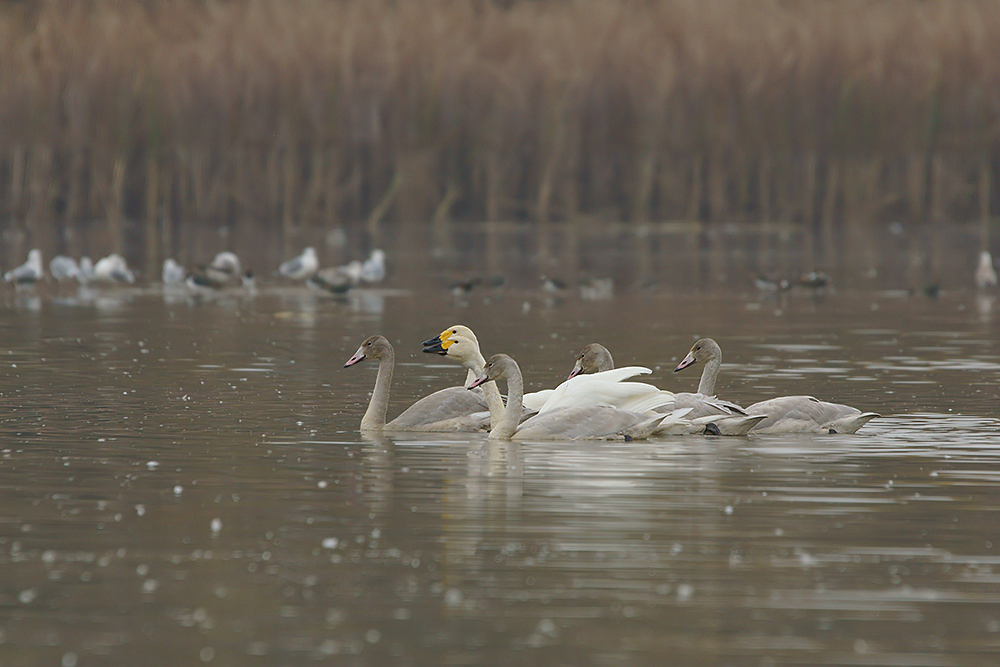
{"x":806,"y":414}
{"x":582,"y":422}
{"x":607,"y":387}
{"x":536,"y":399}
{"x":706,"y":406}
{"x":442,"y":406}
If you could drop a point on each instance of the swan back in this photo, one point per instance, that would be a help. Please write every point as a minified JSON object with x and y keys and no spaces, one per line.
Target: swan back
{"x":566,"y":423}
{"x":607,"y":387}
{"x":807,"y":414}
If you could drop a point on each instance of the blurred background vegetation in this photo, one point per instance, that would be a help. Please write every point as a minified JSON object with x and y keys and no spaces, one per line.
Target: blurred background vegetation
{"x":118,"y":116}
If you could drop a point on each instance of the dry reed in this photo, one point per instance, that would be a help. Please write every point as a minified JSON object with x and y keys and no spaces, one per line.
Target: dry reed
{"x":318,"y":112}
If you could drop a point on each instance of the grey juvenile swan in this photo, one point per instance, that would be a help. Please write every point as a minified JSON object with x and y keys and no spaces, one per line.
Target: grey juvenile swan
{"x":449,"y":410}
{"x":785,"y":414}
{"x":591,"y":422}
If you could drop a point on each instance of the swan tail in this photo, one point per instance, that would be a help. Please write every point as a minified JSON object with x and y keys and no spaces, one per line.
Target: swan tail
{"x":850,"y":424}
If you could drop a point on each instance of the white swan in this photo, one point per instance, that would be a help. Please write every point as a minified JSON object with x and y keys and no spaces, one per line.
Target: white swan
{"x":785,"y":414}
{"x":301,"y":267}
{"x":589,"y":422}
{"x":451,"y":409}
{"x":459,"y":343}
{"x":608,"y":387}
{"x":29,"y":272}
{"x":728,"y":418}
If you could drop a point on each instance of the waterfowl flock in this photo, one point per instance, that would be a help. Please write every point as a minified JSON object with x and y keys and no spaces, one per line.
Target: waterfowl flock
{"x":595,"y":402}
{"x":224,"y":272}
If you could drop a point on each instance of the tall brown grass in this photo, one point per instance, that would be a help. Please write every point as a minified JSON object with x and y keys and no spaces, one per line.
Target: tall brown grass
{"x":319,"y":112}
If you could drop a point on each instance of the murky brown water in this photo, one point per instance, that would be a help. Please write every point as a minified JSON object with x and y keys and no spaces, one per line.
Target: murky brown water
{"x":183,"y":483}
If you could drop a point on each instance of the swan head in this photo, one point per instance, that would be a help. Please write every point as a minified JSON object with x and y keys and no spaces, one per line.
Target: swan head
{"x":703,"y":350}
{"x":449,"y":342}
{"x":374,"y":347}
{"x":498,"y":367}
{"x":592,"y":359}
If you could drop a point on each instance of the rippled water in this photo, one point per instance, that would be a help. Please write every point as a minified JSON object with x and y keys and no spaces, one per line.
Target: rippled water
{"x":183,"y":483}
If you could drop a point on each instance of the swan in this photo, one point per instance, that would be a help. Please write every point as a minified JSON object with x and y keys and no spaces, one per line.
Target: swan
{"x":785,"y":414}
{"x":301,"y":267}
{"x":459,"y":343}
{"x":587,"y":422}
{"x":29,"y":272}
{"x":451,"y":409}
{"x":608,"y":387}
{"x":729,"y":418}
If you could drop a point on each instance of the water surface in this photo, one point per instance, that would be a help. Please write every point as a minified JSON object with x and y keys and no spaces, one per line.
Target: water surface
{"x":183,"y":483}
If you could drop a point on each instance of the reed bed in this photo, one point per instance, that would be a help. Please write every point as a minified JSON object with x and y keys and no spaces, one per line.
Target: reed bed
{"x":314,"y":113}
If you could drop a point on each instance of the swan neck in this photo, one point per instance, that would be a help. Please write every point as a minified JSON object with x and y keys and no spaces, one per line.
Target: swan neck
{"x":515,"y":406}
{"x":494,"y":400}
{"x":374,"y":418}
{"x":708,"y":377}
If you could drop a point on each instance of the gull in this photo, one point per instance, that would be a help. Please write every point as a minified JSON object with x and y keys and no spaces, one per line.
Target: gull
{"x":173,"y":273}
{"x":64,"y":268}
{"x":373,"y":268}
{"x":113,"y":269}
{"x":224,"y":271}
{"x":301,"y":267}
{"x":29,"y":272}
{"x":986,"y":275}
{"x":335,"y":279}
